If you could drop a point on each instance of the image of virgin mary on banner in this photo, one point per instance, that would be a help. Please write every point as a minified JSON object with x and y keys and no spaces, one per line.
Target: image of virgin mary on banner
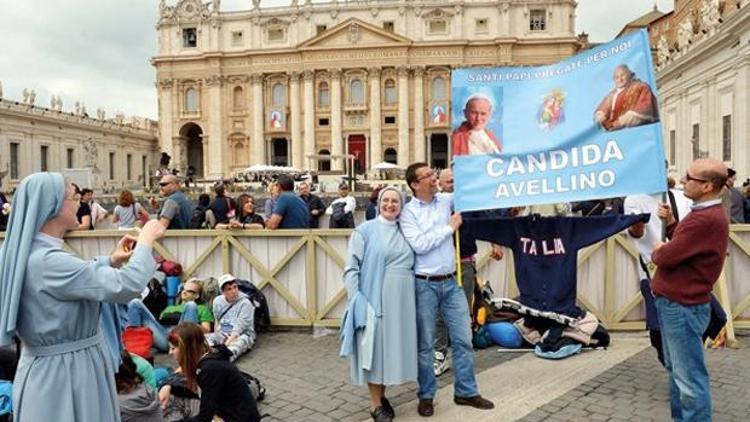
{"x":538,"y":135}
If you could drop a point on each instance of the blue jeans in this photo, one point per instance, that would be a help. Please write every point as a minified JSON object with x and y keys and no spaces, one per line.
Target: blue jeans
{"x":682,"y":329}
{"x":140,"y":316}
{"x":449,"y":300}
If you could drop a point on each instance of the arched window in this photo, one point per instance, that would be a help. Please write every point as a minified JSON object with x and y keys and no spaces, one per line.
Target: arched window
{"x":390,"y":156}
{"x":390,"y":92}
{"x":238,"y":98}
{"x":191,"y":99}
{"x":324,"y":97}
{"x":324,"y":165}
{"x":438,"y":89}
{"x":279,"y":95}
{"x":357,"y":92}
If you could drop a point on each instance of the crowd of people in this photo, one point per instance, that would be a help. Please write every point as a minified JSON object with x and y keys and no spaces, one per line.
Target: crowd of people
{"x":407,"y":307}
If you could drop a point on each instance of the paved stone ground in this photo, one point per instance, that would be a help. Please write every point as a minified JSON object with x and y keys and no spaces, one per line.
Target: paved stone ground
{"x":307,"y":381}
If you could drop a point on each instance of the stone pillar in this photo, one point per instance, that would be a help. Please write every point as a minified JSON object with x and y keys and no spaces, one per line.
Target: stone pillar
{"x":403,"y":116}
{"x":309,"y":149}
{"x":257,"y":143}
{"x":740,"y":121}
{"x":376,"y":143}
{"x":298,"y":157}
{"x":213,"y":152}
{"x":419,"y":140}
{"x":168,"y":114}
{"x":337,"y":144}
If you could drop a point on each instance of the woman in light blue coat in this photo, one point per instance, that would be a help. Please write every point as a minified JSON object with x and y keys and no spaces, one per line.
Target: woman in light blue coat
{"x":379,"y":329}
{"x":51,"y":300}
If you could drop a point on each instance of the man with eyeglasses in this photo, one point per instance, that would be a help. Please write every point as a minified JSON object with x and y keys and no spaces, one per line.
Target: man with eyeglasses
{"x":687,"y":268}
{"x":176,"y":211}
{"x":428,"y":223}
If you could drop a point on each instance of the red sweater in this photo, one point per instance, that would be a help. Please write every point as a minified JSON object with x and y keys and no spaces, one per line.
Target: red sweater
{"x":690,"y":264}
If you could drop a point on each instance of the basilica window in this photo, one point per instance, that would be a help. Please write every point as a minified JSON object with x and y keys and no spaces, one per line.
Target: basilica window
{"x":438,"y":89}
{"x":70,"y":163}
{"x":237,"y":38}
{"x":319,"y":29}
{"x":482,"y":26}
{"x":238,"y":98}
{"x":191,"y":100}
{"x":438,"y":26}
{"x":538,"y":20}
{"x":111,"y":166}
{"x":726,"y":137}
{"x":324,"y":96}
{"x":14,"y":160}
{"x":388,"y":26}
{"x":324,"y":164}
{"x":44,"y":158}
{"x":189,"y":38}
{"x":696,"y":141}
{"x":357,"y":91}
{"x":275,"y":34}
{"x":390,"y":92}
{"x":278,"y":95}
{"x":129,"y":166}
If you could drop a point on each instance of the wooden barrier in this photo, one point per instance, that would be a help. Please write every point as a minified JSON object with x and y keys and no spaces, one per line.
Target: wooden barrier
{"x":301,"y":271}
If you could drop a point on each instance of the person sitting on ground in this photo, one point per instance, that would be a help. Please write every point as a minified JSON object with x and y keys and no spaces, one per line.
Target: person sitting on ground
{"x":342,"y":209}
{"x":289,"y":212}
{"x":235,"y":318}
{"x":223,"y":390}
{"x":127,"y":211}
{"x":138,"y":402}
{"x":189,"y":309}
{"x":223,"y":207}
{"x":246,"y":218}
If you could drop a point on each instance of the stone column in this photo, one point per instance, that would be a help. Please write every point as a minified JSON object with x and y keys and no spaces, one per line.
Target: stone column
{"x":257,"y":143}
{"x":309,"y":149}
{"x":419,"y":141}
{"x":403,"y":116}
{"x":337,"y":144}
{"x":168,"y":114}
{"x":298,"y":157}
{"x":740,"y":121}
{"x":213,"y":152}
{"x":376,"y":143}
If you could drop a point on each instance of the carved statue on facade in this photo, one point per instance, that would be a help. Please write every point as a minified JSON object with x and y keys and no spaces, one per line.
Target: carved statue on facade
{"x":711,"y":14}
{"x":166,"y":13}
{"x":78,"y":108}
{"x":256,"y":4}
{"x":662,"y":51}
{"x":216,"y":5}
{"x":32,"y":97}
{"x":100,"y":113}
{"x":56,"y":103}
{"x":90,"y":152}
{"x":119,"y":118}
{"x":685,"y":33}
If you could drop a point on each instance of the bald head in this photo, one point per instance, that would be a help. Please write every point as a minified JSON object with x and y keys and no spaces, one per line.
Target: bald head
{"x":704,"y":179}
{"x":712,"y":170}
{"x":445,"y":182}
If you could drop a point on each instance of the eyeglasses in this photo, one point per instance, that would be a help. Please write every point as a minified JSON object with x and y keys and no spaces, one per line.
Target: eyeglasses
{"x":688,"y":178}
{"x":162,"y":184}
{"x":192,"y":292}
{"x":426,"y":176}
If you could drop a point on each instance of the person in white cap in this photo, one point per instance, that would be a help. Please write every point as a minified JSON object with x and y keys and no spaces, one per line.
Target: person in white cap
{"x":235,"y":318}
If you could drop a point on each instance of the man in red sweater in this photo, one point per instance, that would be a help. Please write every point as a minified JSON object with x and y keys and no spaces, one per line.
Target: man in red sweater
{"x":688,"y":266}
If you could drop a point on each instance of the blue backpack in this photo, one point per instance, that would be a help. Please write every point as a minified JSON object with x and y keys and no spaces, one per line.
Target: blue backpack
{"x":6,"y":398}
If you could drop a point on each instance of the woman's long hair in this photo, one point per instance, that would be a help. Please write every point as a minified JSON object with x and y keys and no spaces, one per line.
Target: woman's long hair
{"x":127,"y":376}
{"x":188,"y":338}
{"x":241,"y":200}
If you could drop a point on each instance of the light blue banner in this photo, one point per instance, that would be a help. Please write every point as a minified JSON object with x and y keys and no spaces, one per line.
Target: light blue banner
{"x":584,"y":128}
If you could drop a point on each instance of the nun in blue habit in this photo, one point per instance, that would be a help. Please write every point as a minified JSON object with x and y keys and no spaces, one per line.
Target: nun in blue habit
{"x":379,"y":327}
{"x":51,"y":299}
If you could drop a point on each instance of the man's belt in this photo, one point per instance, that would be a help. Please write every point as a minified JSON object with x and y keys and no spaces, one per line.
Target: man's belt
{"x":439,"y":277}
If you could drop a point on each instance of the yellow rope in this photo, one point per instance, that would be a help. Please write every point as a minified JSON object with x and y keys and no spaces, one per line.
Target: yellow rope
{"x":458,"y":259}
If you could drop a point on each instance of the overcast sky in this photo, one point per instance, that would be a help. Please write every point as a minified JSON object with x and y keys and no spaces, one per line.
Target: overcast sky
{"x":98,"y":51}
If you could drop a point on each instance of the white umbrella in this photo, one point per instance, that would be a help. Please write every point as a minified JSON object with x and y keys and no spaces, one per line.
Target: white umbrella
{"x":385,"y":166}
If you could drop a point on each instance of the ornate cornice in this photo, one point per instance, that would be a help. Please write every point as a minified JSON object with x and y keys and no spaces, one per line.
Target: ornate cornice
{"x":256,"y":78}
{"x":403,"y":71}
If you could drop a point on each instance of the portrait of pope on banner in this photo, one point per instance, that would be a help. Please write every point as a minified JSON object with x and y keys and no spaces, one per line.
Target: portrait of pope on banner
{"x":473,"y":136}
{"x":631,"y":103}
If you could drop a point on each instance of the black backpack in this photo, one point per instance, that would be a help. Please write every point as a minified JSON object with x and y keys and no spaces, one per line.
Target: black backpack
{"x":262,"y":317}
{"x":156,"y":300}
{"x":198,"y":219}
{"x":339,"y":218}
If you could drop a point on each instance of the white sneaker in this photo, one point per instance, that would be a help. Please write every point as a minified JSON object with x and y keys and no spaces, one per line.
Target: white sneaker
{"x":441,"y":364}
